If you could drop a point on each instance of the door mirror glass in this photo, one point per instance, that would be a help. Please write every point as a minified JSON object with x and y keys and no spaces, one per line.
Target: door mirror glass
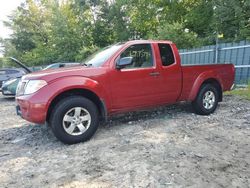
{"x":123,"y":62}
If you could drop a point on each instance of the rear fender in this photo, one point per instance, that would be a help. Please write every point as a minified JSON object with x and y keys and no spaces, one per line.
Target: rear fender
{"x":200,"y":80}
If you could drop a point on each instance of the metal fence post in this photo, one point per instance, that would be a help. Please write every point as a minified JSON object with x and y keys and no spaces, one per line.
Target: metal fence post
{"x":216,"y":49}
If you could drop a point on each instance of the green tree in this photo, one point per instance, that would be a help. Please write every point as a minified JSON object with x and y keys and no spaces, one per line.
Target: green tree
{"x":47,"y":31}
{"x":177,"y":33}
{"x":200,"y":19}
{"x":232,"y":18}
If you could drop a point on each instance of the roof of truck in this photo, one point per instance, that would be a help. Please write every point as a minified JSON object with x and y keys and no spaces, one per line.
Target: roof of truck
{"x":149,"y":41}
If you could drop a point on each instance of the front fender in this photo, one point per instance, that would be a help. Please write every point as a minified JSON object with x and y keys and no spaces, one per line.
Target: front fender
{"x":60,"y":85}
{"x":200,"y":80}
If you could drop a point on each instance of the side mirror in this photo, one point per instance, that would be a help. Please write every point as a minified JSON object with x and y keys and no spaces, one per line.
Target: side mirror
{"x":123,"y":62}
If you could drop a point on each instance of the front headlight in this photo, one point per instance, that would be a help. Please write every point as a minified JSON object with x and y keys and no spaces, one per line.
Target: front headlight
{"x":33,"y":86}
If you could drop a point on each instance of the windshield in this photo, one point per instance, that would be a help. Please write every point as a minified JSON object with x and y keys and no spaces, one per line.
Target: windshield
{"x":98,"y":58}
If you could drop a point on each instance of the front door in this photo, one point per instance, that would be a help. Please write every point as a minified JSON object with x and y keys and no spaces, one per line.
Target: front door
{"x":139,"y":84}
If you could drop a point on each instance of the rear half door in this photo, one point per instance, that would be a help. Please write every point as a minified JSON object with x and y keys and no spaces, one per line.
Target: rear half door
{"x":170,"y":71}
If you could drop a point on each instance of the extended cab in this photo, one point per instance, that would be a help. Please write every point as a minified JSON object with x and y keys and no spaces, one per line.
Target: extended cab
{"x":120,"y":78}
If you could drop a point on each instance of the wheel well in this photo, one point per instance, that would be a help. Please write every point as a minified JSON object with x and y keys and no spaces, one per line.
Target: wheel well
{"x":82,"y":92}
{"x":216,"y":84}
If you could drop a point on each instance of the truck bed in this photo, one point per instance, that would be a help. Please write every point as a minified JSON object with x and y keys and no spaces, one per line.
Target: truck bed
{"x":191,"y":74}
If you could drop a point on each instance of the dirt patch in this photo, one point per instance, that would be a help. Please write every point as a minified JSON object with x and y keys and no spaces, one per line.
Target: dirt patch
{"x":163,"y":147}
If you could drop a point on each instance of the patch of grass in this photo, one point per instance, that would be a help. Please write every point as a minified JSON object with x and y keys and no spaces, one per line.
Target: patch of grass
{"x":244,"y":92}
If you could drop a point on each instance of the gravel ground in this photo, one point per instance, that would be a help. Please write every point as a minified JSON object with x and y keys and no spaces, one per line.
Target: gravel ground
{"x":163,"y":147}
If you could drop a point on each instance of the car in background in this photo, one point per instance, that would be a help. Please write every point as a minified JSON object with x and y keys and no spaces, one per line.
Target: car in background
{"x":10,"y":73}
{"x":9,"y":87}
{"x":61,"y":65}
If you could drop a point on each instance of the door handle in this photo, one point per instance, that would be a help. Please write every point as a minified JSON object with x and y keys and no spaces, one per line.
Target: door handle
{"x":154,"y":74}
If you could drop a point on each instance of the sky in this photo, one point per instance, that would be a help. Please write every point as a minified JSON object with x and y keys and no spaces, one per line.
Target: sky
{"x":6,"y":7}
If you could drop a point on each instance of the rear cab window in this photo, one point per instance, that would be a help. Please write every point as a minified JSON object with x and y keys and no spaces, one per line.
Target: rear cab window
{"x":166,"y":53}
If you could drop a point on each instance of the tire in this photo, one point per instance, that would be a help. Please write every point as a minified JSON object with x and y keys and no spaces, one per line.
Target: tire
{"x":207,"y":99}
{"x":74,"y":119}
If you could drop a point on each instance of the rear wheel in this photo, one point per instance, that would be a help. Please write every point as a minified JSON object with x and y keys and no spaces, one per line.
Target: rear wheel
{"x":74,"y":119}
{"x":206,"y":101}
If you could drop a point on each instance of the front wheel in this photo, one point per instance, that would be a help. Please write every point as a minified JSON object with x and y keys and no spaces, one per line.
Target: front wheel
{"x":74,"y":119}
{"x":206,"y":101}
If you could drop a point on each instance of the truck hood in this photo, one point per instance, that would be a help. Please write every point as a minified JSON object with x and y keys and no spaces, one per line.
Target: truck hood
{"x":52,"y":74}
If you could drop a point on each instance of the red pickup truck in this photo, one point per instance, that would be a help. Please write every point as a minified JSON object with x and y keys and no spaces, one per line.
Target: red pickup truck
{"x":119,"y":78}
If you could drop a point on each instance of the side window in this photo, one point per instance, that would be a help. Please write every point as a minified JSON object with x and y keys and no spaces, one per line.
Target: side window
{"x":167,"y":56}
{"x":142,"y":56}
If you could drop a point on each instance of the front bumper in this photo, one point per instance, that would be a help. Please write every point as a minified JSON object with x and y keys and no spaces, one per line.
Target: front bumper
{"x":30,"y":110}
